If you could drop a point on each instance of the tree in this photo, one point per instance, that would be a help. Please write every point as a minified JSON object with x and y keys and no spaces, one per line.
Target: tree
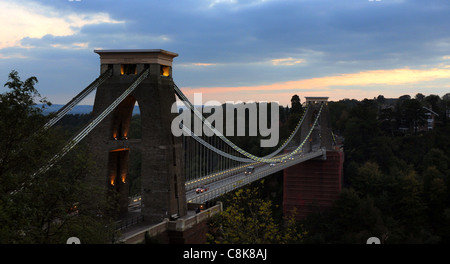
{"x":436,"y":157}
{"x":352,"y":219}
{"x":42,"y":207}
{"x":402,"y":181}
{"x":248,"y":220}
{"x":381,"y":99}
{"x":413,"y":113}
{"x":360,"y":130}
{"x":411,"y":207}
{"x":296,"y":106}
{"x":446,"y":97}
{"x":19,"y":143}
{"x":420,"y":97}
{"x":295,"y":113}
{"x":368,"y":179}
{"x":433,"y":102}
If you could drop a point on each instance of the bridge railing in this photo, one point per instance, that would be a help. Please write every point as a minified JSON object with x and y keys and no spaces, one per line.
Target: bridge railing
{"x":192,"y":184}
{"x":124,"y":224}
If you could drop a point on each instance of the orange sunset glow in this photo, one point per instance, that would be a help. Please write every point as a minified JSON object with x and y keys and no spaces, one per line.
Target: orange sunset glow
{"x":337,"y":87}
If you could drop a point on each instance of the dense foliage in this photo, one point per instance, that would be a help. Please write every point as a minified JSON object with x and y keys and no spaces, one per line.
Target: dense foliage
{"x":397,"y":173}
{"x":43,"y":207}
{"x":249,"y":218}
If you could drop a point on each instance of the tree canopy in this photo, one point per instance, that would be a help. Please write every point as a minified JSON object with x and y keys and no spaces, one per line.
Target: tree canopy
{"x":396,"y":171}
{"x":248,"y":219}
{"x":48,"y":207}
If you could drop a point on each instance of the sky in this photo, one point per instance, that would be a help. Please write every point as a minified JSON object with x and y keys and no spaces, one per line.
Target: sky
{"x":237,"y":50}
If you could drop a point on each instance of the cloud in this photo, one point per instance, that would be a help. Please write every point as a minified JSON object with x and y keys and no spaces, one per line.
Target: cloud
{"x":216,"y":2}
{"x":287,"y":61}
{"x":252,"y":48}
{"x":379,"y":77}
{"x":12,"y":56}
{"x":236,"y":3}
{"x":75,"y":45}
{"x":203,"y":64}
{"x":29,"y":19}
{"x":359,"y":85}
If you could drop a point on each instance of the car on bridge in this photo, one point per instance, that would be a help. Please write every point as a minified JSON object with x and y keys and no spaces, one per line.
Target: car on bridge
{"x":249,"y":170}
{"x":201,"y":189}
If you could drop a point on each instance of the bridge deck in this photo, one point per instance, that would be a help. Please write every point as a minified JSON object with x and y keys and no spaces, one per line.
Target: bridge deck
{"x":222,"y":186}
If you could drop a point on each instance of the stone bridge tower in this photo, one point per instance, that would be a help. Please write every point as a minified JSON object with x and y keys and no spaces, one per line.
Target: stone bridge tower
{"x":314,"y":183}
{"x":321,"y":136}
{"x":162,"y":176}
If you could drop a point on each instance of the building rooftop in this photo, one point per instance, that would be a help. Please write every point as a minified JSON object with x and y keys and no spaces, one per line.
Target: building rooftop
{"x":135,"y":56}
{"x":316,"y":99}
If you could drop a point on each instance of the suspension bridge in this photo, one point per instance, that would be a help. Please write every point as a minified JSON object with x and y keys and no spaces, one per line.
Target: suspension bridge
{"x":175,"y":171}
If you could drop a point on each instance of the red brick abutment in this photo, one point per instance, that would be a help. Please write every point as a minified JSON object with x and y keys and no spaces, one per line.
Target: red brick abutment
{"x":313,"y":183}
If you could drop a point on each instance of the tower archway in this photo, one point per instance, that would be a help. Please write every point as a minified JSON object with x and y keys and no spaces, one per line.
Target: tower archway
{"x":162,"y":176}
{"x":121,"y":118}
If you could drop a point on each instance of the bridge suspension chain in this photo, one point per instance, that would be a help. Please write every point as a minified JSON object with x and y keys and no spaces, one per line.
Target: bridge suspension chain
{"x":69,"y":106}
{"x":211,"y":147}
{"x":88,"y":128}
{"x":184,"y":99}
{"x":84,"y":132}
{"x":230,"y":162}
{"x":284,"y":156}
{"x":232,"y":171}
{"x":291,"y":136}
{"x":78,"y":98}
{"x":309,"y":133}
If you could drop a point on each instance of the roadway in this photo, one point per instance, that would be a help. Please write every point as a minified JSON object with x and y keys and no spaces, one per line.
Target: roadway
{"x":221,"y":185}
{"x":218,"y":184}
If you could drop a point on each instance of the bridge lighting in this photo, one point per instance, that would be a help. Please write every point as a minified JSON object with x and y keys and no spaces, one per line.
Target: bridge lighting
{"x":123,"y":177}
{"x":127,"y":69}
{"x":165,"y":70}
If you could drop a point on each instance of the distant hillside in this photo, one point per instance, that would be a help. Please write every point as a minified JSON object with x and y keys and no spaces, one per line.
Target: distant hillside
{"x":86,"y":109}
{"x":78,"y":109}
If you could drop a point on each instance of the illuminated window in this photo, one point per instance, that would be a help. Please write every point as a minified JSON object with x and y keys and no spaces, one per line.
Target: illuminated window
{"x":127,"y":69}
{"x":165,"y":70}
